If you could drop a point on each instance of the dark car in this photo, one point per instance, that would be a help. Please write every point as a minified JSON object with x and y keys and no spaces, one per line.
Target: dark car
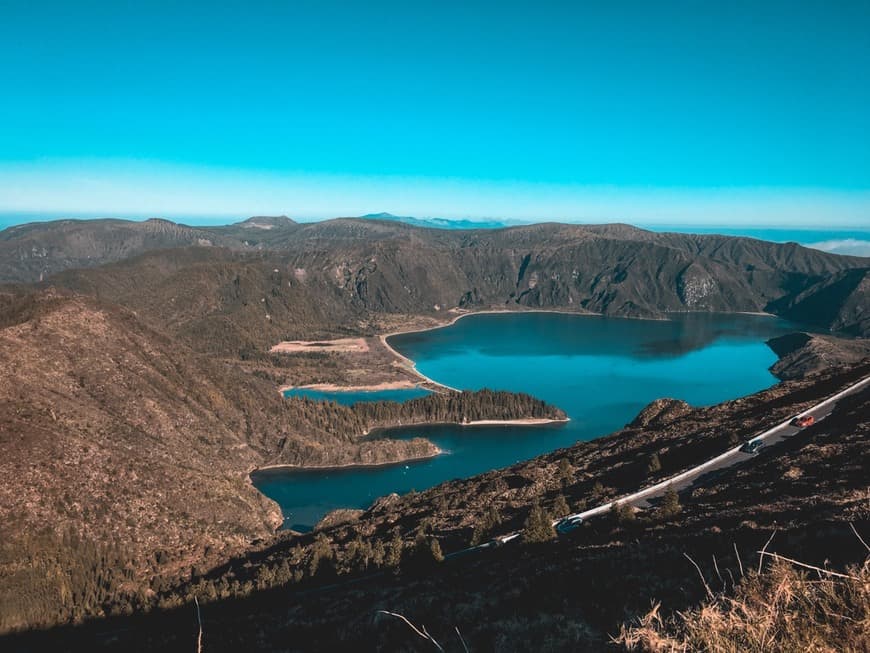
{"x":568,"y":524}
{"x":752,"y":446}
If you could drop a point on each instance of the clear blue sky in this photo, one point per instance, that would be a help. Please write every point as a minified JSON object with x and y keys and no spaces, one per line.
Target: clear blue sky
{"x":638,"y":111}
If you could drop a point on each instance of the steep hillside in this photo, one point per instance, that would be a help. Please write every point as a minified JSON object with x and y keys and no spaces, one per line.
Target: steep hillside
{"x":801,"y":354}
{"x":126,"y":455}
{"x":114,"y":436}
{"x":105,"y":405}
{"x":840,"y":302}
{"x":325,"y":591}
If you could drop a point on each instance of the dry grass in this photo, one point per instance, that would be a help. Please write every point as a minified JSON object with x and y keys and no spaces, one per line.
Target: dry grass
{"x":783,"y":609}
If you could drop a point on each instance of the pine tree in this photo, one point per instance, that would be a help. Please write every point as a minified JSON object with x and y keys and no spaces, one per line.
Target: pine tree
{"x":598,"y":491}
{"x":491,"y":518}
{"x":435,"y":548}
{"x":623,"y":512}
{"x":670,"y":505}
{"x":394,"y":552}
{"x":561,"y":507}
{"x":538,"y":526}
{"x":564,"y":470}
{"x":477,"y":535}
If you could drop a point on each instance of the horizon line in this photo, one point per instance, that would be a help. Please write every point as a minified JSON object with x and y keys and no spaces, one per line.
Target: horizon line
{"x":228,"y":219}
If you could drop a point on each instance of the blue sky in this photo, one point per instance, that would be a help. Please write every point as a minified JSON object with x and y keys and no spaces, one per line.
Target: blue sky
{"x":673,"y":112}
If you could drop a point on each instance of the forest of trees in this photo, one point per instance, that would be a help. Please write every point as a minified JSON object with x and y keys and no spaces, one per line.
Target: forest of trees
{"x":51,"y":577}
{"x":352,"y":422}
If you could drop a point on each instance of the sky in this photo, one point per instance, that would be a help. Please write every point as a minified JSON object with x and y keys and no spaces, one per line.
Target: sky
{"x":705,"y":113}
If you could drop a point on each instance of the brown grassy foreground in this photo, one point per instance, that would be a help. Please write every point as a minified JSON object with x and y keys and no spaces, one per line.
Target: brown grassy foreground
{"x":786,"y":608}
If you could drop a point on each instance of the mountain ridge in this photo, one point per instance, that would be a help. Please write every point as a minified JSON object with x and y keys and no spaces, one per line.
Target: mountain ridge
{"x":334,"y":275}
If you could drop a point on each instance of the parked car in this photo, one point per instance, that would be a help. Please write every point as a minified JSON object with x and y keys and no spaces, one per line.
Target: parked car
{"x":752,"y":446}
{"x":803,"y":422}
{"x":568,"y":524}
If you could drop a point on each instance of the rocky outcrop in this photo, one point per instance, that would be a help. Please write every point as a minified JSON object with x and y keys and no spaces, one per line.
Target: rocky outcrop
{"x":801,"y":354}
{"x":659,"y":413}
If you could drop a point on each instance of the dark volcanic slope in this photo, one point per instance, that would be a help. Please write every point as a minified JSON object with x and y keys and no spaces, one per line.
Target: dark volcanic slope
{"x":333,"y":277}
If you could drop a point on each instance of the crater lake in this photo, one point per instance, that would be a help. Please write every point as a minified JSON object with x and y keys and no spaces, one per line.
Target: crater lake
{"x":601,"y":370}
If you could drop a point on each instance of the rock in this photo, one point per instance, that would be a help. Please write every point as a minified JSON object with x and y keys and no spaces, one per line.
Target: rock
{"x":340,"y":516}
{"x":660,"y":412}
{"x":383,"y":503}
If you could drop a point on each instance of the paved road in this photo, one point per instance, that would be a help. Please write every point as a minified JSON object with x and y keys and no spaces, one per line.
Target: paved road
{"x":687,"y":479}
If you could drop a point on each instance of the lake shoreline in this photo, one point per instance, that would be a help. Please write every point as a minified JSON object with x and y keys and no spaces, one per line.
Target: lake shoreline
{"x":520,"y":421}
{"x":428,"y":383}
{"x":412,"y":366}
{"x":349,"y":466}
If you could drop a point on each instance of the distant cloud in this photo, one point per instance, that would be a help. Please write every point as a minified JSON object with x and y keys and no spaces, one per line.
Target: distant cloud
{"x":850,"y":246}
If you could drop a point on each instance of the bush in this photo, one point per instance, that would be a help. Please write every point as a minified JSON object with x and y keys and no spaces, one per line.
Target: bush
{"x":598,"y":491}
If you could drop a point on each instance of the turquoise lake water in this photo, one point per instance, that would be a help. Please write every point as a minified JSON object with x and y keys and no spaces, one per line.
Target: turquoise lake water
{"x":601,"y":371}
{"x":348,"y":398}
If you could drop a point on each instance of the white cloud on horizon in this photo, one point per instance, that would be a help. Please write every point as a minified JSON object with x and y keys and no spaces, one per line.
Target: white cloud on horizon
{"x":847,"y":246}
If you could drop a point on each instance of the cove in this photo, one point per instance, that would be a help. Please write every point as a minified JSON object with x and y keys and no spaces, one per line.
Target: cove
{"x":602,"y":371}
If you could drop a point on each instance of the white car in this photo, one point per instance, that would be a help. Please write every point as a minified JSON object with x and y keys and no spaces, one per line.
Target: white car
{"x":568,"y":524}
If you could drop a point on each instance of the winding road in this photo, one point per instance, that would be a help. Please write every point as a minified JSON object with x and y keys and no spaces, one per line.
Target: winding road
{"x":687,"y":478}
